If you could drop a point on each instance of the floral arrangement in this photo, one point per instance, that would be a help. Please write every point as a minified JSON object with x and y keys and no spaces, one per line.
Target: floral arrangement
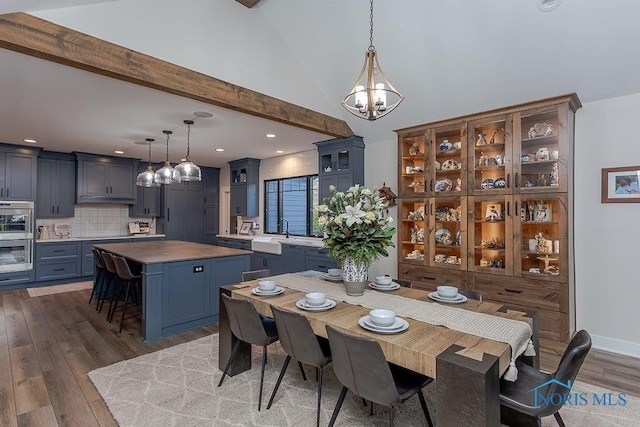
{"x":354,"y":225}
{"x":541,"y":242}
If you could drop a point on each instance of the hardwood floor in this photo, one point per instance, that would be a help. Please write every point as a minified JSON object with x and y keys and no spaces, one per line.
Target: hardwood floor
{"x":48,"y":344}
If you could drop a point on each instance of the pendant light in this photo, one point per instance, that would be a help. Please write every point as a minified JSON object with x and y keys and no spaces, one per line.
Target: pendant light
{"x":187,"y":170}
{"x":148,"y":177}
{"x":371,"y":94}
{"x":167,"y":174}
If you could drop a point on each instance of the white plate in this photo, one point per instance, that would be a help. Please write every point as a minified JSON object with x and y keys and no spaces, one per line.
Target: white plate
{"x":277,"y":291}
{"x":332,"y":278}
{"x":399,"y":325}
{"x":456,"y":300}
{"x":328,"y":305}
{"x":392,"y":287}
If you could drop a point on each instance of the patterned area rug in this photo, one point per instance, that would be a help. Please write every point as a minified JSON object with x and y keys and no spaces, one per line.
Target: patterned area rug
{"x":177,"y":386}
{"x":58,"y":289}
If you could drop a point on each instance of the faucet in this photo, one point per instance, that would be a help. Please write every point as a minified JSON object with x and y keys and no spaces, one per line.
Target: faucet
{"x":287,"y":230}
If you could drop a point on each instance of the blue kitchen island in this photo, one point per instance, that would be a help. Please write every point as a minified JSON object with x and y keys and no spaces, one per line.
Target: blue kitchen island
{"x":180,"y":282}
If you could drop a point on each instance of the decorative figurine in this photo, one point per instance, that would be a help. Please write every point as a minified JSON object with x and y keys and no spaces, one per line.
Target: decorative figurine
{"x":530,"y":208}
{"x":553,"y":176}
{"x":481,"y":139}
{"x":458,"y":185}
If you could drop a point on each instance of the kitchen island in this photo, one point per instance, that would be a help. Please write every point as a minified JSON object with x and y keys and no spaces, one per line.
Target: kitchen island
{"x":180,"y":282}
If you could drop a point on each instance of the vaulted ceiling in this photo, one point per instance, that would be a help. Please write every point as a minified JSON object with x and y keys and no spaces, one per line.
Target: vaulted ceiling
{"x":447,"y":58}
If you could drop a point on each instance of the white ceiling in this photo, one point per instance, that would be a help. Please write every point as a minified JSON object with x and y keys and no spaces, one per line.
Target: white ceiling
{"x":448,"y":59}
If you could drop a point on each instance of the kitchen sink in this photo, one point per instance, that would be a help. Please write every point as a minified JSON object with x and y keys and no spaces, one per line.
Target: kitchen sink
{"x":266,"y":244}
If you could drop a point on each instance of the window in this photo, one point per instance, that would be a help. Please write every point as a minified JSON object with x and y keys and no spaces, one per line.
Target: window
{"x":294,"y":200}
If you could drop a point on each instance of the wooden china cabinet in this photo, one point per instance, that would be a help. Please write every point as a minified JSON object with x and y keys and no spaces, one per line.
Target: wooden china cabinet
{"x":486,"y":203}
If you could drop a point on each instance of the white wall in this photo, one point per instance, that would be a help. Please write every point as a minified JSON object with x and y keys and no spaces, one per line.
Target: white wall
{"x":606,"y":238}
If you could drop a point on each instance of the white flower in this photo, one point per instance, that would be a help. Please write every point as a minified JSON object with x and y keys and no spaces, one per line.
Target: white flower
{"x":370,"y":216}
{"x":323,"y":208}
{"x":353,"y":214}
{"x":322,"y":220}
{"x":338,"y":220}
{"x":332,"y":188}
{"x":390,"y":219}
{"x":339,"y":194}
{"x":366,"y":192}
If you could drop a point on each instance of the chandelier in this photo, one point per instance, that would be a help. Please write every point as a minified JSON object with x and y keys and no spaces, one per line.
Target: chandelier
{"x":148,"y":177}
{"x":187,"y":170}
{"x":371,"y":95}
{"x":167,"y":174}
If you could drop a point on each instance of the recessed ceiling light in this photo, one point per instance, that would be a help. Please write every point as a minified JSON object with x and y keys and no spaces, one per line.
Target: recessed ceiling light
{"x":33,"y":141}
{"x":119,"y":152}
{"x":271,"y":135}
{"x":548,"y":5}
{"x":279,"y":151}
{"x":202,"y":114}
{"x":220,"y":150}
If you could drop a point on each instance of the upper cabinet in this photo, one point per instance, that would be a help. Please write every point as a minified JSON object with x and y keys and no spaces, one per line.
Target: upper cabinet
{"x":147,"y":198}
{"x":18,"y":173}
{"x":340,"y":163}
{"x":244,"y":187}
{"x":104,"y":179}
{"x":56,"y":176}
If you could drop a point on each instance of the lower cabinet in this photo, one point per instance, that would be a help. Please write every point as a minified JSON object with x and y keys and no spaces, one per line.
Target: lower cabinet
{"x":294,"y":258}
{"x":229,"y":242}
{"x":16,"y":278}
{"x":57,"y":260}
{"x":262,"y":260}
{"x":318,"y":259}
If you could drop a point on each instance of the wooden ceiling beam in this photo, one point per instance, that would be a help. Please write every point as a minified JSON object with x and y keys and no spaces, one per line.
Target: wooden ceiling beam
{"x":33,"y":36}
{"x":248,"y":3}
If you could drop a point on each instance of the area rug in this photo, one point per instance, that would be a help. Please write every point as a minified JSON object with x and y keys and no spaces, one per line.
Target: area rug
{"x":177,"y":386}
{"x":58,"y":289}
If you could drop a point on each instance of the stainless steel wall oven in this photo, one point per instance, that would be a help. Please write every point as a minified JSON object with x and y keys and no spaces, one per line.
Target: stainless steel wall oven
{"x":16,"y":236}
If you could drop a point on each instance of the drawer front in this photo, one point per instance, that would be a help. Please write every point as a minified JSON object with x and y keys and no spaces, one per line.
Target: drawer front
{"x":537,"y":295}
{"x":52,"y":251}
{"x":311,"y":251}
{"x":321,"y":263}
{"x":16,"y":278}
{"x":428,"y":278}
{"x":242,"y":244}
{"x":57,"y":270}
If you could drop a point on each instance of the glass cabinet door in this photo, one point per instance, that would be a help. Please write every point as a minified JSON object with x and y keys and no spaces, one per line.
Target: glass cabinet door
{"x":541,"y":150}
{"x":449,"y":168}
{"x":447,"y":241}
{"x":413,"y":165}
{"x":490,"y":156}
{"x":411,"y":231}
{"x":491,"y":235}
{"x":543,"y":249}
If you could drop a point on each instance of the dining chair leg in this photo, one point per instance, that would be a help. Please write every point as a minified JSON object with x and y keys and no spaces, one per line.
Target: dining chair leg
{"x":371,"y":410}
{"x":558,"y":419}
{"x":343,"y":393}
{"x":282,"y":371}
{"x":423,"y":403}
{"x":228,"y":365}
{"x":391,"y":414}
{"x":264,"y":363}
{"x":113,"y":306}
{"x":319,"y":372}
{"x":304,"y":377}
{"x":124,"y":308}
{"x":105,"y":293}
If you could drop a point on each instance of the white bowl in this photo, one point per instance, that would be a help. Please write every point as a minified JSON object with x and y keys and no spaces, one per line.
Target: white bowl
{"x":335,"y":272}
{"x":382,"y":317}
{"x":315,"y":298}
{"x":267,"y":285}
{"x":447,"y":291}
{"x":383,"y":280}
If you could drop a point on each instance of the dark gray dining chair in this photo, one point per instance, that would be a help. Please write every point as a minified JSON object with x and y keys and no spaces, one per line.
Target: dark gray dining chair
{"x":360,"y":366}
{"x":531,"y":396}
{"x":472,"y":294}
{"x":404,"y":283}
{"x":247,"y":325}
{"x":99,"y":283}
{"x":300,"y":342}
{"x":255,"y":274}
{"x":113,"y":283}
{"x":130,"y":287}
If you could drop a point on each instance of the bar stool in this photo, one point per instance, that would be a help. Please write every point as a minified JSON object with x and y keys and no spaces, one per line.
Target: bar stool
{"x":100,"y":278}
{"x":112,"y":282}
{"x":134,"y":282}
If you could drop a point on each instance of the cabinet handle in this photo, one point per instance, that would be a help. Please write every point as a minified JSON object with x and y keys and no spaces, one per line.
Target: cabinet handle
{"x":2,"y":192}
{"x":205,"y":210}
{"x":59,"y":250}
{"x":168,"y":214}
{"x":431,"y":208}
{"x":106,"y":190}
{"x":431,"y":185}
{"x":7,"y":192}
{"x":58,"y":269}
{"x":322,"y":266}
{"x":516,"y":212}
{"x":515,"y":291}
{"x":508,"y":208}
{"x":508,"y":180}
{"x":52,"y":209}
{"x":516,"y":182}
{"x":58,"y":209}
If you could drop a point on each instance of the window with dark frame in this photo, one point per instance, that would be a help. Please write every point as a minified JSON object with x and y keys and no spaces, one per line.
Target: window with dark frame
{"x":293,"y":199}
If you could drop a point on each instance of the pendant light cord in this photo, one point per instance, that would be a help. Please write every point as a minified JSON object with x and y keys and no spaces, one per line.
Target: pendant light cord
{"x":371,"y":46}
{"x":149,"y":153}
{"x":188,"y":138}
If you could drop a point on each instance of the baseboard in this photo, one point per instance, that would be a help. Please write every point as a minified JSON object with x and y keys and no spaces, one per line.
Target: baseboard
{"x":626,"y":348}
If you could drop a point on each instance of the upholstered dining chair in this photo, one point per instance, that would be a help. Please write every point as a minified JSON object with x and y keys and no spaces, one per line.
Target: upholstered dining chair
{"x":300,"y":342}
{"x":404,"y":283}
{"x":360,"y":366}
{"x":530,"y":397}
{"x":255,"y":274}
{"x":99,"y":283}
{"x":248,"y":326}
{"x":471,"y":294}
{"x":130,"y":291}
{"x":113,"y":282}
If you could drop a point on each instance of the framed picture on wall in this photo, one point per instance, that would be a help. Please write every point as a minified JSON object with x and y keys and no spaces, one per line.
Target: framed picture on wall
{"x":246,"y":227}
{"x":621,"y":185}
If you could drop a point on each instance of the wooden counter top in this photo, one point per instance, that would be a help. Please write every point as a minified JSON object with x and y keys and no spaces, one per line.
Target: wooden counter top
{"x":168,"y":251}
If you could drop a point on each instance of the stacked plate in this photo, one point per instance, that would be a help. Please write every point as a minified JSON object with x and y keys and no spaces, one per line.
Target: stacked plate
{"x":331,"y":278}
{"x":390,"y":287}
{"x":459,"y":298}
{"x":398,"y":326}
{"x":327,"y":305}
{"x":277,"y":291}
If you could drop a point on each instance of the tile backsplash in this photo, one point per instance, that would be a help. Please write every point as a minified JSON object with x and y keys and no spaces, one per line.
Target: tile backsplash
{"x":97,"y":220}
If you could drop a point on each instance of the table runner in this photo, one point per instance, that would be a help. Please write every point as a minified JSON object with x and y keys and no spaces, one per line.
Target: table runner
{"x":516,"y":333}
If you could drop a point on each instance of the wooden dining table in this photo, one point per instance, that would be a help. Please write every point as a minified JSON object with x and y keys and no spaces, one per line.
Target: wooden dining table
{"x":467,"y":368}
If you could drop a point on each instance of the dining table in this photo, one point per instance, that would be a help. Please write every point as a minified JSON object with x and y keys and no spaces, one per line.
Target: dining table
{"x":467,"y":368}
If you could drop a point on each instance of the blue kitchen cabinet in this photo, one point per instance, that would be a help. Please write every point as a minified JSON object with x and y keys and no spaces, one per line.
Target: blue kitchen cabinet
{"x":318,"y":259}
{"x":56,"y":176}
{"x":57,"y":260}
{"x":211,"y":181}
{"x":147,"y":198}
{"x":340,"y":163}
{"x":103,"y":179}
{"x":18,"y":173}
{"x":184,"y":213}
{"x":293,"y":258}
{"x":271,"y":262}
{"x":244,"y":187}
